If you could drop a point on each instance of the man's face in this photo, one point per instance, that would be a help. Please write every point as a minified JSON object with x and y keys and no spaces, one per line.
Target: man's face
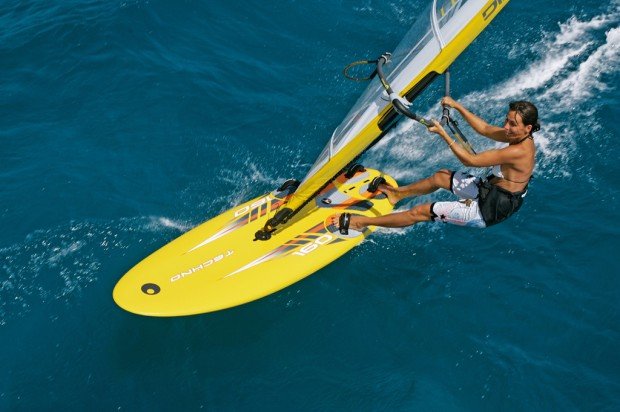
{"x":514,"y":127}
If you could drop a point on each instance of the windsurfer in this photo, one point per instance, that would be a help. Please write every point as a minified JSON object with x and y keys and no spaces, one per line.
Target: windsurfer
{"x":485,"y":201}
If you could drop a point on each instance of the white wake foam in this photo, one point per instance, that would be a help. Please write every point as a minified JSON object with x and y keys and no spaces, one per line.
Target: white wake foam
{"x":155,"y":223}
{"x":587,"y":80}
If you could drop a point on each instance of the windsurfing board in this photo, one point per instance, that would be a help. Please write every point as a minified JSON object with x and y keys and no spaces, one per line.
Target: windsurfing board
{"x":218,"y":264}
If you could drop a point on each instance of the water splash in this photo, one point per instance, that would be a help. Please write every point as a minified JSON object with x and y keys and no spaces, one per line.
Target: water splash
{"x":583,"y":83}
{"x":571,"y":64}
{"x":56,"y":265}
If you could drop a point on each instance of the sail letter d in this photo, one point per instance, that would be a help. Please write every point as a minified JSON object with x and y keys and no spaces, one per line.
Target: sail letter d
{"x":490,"y":9}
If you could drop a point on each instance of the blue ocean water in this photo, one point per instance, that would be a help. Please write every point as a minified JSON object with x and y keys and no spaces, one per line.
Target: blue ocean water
{"x":125,"y":123}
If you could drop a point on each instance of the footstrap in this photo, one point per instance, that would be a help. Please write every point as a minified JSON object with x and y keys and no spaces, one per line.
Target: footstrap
{"x":374,"y":184}
{"x":343,"y":223}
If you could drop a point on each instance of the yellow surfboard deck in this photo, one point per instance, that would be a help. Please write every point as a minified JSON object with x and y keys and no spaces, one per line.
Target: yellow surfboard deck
{"x":218,"y":264}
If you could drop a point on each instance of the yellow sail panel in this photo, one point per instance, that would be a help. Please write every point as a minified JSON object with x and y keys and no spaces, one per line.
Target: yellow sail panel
{"x":420,"y":54}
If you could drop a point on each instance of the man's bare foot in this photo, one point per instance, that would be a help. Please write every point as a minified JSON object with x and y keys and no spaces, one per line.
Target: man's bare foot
{"x":391,"y":193}
{"x":354,"y":222}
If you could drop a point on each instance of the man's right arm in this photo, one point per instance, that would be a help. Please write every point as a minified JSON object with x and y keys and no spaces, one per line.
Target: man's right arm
{"x":480,"y":126}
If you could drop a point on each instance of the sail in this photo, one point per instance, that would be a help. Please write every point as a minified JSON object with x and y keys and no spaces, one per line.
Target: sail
{"x":436,"y":39}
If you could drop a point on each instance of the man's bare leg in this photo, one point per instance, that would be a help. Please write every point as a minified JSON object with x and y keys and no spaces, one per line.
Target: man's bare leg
{"x":419,"y":213}
{"x":439,"y":180}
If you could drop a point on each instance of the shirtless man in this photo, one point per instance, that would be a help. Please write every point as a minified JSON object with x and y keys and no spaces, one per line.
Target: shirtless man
{"x":486,"y":201}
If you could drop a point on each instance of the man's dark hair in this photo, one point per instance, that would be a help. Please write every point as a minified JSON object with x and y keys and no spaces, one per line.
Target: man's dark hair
{"x":528,"y":112}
